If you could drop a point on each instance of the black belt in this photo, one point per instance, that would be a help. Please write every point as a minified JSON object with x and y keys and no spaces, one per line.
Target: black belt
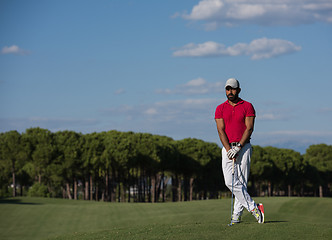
{"x":234,"y":144}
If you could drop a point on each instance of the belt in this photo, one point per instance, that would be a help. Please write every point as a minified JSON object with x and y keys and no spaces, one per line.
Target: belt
{"x":234,"y":144}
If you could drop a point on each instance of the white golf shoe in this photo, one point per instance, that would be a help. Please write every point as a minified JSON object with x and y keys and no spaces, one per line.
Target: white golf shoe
{"x":258,"y":213}
{"x":236,"y":219}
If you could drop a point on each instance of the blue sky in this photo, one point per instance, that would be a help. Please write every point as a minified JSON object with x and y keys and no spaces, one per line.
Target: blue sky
{"x":160,"y":66}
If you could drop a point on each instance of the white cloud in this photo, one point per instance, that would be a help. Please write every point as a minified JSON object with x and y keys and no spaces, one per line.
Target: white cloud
{"x":119,"y":91}
{"x":151,"y":111}
{"x":206,"y":9}
{"x":193,"y":117}
{"x":207,"y":49}
{"x":14,"y":50}
{"x":178,"y":119}
{"x":198,"y":86}
{"x":276,"y":115}
{"x":308,"y":133}
{"x":168,"y":111}
{"x":53,"y":124}
{"x":196,"y":82}
{"x":298,"y":140}
{"x":325,"y":110}
{"x":269,"y":12}
{"x":274,"y":111}
{"x":267,"y":116}
{"x":258,"y":49}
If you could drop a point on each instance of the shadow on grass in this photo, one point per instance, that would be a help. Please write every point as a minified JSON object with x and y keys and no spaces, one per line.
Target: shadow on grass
{"x":275,"y":222}
{"x":265,"y":222}
{"x":17,"y":201}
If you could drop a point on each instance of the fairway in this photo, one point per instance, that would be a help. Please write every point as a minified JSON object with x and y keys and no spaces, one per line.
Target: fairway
{"x":38,"y":218}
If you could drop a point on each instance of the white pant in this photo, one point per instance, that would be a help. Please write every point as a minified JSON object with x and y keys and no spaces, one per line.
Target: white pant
{"x":241,"y":174}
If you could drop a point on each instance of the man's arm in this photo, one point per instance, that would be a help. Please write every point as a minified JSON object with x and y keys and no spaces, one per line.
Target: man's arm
{"x":222,"y":135}
{"x":249,"y":122}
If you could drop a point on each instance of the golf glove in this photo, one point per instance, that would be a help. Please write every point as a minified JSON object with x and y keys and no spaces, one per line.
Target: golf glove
{"x":232,"y":152}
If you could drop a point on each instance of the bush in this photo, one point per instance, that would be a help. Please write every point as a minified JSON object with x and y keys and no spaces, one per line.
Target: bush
{"x":5,"y":192}
{"x":38,"y":190}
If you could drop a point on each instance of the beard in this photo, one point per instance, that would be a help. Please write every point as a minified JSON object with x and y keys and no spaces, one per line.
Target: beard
{"x":232,"y":97}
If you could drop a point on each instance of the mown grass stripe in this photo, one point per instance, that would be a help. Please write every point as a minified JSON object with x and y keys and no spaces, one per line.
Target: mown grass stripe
{"x":286,"y":218}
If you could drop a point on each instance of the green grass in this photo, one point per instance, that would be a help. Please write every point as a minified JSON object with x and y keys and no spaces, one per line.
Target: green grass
{"x":38,"y":218}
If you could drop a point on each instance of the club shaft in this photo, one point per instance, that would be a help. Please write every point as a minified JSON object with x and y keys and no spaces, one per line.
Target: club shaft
{"x":232,"y":190}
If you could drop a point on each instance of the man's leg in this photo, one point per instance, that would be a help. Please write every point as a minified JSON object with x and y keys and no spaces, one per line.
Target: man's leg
{"x":240,"y":191}
{"x":242,"y":197}
{"x":227,"y":169}
{"x":243,"y":169}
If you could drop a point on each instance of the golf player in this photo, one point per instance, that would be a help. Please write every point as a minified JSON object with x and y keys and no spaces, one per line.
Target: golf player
{"x":235,"y":123}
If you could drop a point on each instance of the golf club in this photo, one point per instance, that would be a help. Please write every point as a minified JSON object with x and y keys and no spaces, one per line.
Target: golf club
{"x":232,"y":191}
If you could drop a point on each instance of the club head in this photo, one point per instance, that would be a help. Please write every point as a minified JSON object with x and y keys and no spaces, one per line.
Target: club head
{"x":230,"y":224}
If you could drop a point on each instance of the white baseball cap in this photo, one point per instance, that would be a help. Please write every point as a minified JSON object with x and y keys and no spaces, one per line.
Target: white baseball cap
{"x":232,"y":82}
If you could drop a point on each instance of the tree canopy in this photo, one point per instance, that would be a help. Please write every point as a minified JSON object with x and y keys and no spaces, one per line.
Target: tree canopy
{"x":142,"y":167}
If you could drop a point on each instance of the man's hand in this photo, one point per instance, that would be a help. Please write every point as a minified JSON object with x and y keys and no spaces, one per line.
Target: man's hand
{"x":232,"y":152}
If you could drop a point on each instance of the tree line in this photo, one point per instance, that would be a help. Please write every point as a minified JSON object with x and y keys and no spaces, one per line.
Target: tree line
{"x":142,"y":167}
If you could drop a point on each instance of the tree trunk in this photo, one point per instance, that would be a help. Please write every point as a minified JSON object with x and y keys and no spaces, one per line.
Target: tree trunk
{"x":14,"y":184}
{"x":153,"y":188}
{"x":96,"y":189}
{"x":118,"y":187}
{"x":113,"y":186}
{"x":185,"y":189}
{"x":123,"y":194}
{"x":130,"y":181}
{"x":75,"y":189}
{"x":179,"y":189}
{"x":289,"y":190}
{"x":148,"y":185}
{"x":320,"y":191}
{"x":144,"y":187}
{"x":165,"y":181}
{"x":269,"y":189}
{"x":103,"y":196}
{"x":86,"y":196}
{"x":119,"y":192}
{"x":174,"y":188}
{"x":107,"y":186}
{"x":91,"y":195}
{"x":139,"y":187}
{"x":302,"y":189}
{"x":148,"y":188}
{"x":63,"y":193}
{"x":191,"y":185}
{"x":68,"y":191}
{"x":135,"y":190}
{"x":258,"y":189}
{"x":159,"y":181}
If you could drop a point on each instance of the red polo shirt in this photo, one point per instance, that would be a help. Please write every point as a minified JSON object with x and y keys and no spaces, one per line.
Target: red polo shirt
{"x":234,"y":118}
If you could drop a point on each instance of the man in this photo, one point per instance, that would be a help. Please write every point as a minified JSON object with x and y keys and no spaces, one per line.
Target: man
{"x":235,"y":123}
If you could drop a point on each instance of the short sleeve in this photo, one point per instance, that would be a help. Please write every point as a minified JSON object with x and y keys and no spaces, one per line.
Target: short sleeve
{"x":250,"y":111}
{"x":218,"y":113}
